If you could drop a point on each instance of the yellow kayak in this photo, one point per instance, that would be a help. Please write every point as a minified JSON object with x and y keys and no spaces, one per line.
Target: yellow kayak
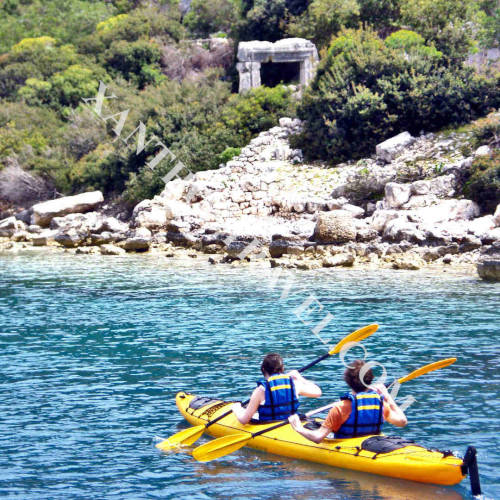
{"x":367,"y":454}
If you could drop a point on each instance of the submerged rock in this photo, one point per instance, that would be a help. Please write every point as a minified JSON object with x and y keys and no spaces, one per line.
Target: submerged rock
{"x":489,"y":269}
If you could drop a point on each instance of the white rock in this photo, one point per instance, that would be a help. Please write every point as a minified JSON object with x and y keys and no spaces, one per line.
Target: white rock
{"x":497,"y":215}
{"x":380,"y":218}
{"x":481,"y":225}
{"x":149,"y":214}
{"x":10,"y":225}
{"x":396,"y":194}
{"x":389,"y":149}
{"x":447,"y":210}
{"x":44,"y":212}
{"x":482,"y":151}
{"x":175,"y":209}
{"x":109,"y":249}
{"x":354,"y":210}
{"x":174,"y":190}
{"x":402,"y":229}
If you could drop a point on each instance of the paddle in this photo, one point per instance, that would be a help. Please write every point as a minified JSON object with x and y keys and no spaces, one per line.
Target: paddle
{"x":227,"y":444}
{"x":189,"y":436}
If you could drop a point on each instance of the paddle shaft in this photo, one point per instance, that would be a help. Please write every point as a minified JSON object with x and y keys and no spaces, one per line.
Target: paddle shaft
{"x":281,"y":424}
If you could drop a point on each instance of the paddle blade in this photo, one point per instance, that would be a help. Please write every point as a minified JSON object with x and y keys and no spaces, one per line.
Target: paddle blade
{"x":356,"y":336}
{"x":220,"y":447}
{"x":182,"y":438}
{"x":427,"y":368}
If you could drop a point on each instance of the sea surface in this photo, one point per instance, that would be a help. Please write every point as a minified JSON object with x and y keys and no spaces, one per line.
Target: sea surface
{"x":93,"y":350}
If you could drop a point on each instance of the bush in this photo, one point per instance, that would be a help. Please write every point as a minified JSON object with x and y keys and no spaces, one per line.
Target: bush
{"x":210,"y":16}
{"x":483,"y":185}
{"x":228,"y":154}
{"x":366,"y":90}
{"x":135,"y":61}
{"x":486,"y":131}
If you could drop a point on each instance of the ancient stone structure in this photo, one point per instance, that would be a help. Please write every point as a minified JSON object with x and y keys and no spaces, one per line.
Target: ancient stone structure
{"x":252,"y":54}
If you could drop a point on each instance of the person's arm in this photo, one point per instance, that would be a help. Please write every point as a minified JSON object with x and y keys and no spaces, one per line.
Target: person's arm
{"x":244,"y":415}
{"x":392,"y":412}
{"x":316,"y":436}
{"x":303,"y":386}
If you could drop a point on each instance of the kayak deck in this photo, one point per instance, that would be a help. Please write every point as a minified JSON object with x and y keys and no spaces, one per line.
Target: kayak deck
{"x":411,"y":462}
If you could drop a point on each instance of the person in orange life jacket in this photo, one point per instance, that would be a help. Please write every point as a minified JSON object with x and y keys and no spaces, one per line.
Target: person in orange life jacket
{"x":361,"y":412}
{"x":276,"y":396}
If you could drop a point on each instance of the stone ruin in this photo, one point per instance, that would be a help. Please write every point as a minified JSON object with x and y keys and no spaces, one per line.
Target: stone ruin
{"x":251,"y":56}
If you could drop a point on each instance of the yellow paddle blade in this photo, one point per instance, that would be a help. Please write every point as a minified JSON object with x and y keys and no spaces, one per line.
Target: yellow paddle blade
{"x":220,"y":447}
{"x":182,"y":438}
{"x":356,"y":336}
{"x":427,"y":368}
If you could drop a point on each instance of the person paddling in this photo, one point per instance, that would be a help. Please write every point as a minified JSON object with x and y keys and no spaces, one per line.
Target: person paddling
{"x":358,"y":413}
{"x":276,"y":395}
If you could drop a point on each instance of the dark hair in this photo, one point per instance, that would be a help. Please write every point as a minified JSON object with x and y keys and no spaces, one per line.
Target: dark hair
{"x":351,"y":376}
{"x":272,"y":363}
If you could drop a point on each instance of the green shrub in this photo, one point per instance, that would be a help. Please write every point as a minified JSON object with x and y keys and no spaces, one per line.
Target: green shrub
{"x":228,"y":154}
{"x":136,"y":61}
{"x":366,"y":91}
{"x":210,"y":16}
{"x":486,"y":131}
{"x":483,"y":185}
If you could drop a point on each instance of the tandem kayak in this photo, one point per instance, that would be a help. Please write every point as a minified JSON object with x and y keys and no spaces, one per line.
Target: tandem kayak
{"x":383,"y":455}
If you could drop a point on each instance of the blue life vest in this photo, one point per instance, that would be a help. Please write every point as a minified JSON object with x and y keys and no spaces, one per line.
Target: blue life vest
{"x":367,"y":415}
{"x":281,"y":398}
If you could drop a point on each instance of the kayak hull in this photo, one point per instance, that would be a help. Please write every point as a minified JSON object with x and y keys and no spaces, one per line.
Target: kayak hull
{"x":412,"y":462}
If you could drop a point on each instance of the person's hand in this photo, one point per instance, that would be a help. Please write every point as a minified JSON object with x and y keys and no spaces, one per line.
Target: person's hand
{"x":381,"y":389}
{"x":295,"y":421}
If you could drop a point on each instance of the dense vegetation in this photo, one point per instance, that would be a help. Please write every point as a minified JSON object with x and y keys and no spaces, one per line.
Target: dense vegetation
{"x":374,"y":80}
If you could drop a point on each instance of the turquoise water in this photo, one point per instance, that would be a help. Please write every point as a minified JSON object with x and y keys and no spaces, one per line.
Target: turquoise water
{"x":93,"y":350}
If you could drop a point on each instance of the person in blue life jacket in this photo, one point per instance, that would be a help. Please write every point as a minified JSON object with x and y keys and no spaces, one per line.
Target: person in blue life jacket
{"x":276,"y":395}
{"x":358,"y":413}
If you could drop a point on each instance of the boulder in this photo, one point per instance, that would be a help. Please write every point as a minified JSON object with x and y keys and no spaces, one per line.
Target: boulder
{"x":380,"y":218}
{"x":70,"y":238}
{"x":149,"y":214}
{"x":489,"y":269}
{"x":389,"y":149}
{"x":482,"y":151}
{"x":481,"y":225}
{"x":408,"y":261}
{"x":174,"y":190}
{"x":402,"y":229}
{"x":340,"y":259}
{"x":113,"y":225}
{"x":43,"y":238}
{"x":176,"y":209}
{"x":442,"y":186}
{"x":496,"y":216}
{"x":354,"y":210}
{"x":446,"y":210}
{"x":44,"y":212}
{"x":396,"y":194}
{"x":138,"y":241}
{"x":336,"y":226}
{"x":109,"y":249}
{"x":278,"y":248}
{"x":11,"y":225}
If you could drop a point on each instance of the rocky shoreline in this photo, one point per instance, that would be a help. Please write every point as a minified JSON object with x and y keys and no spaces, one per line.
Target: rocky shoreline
{"x":396,"y":210}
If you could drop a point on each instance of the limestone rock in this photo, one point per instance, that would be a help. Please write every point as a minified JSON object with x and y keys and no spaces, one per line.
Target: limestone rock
{"x":280,"y":247}
{"x":496,"y":216}
{"x":70,"y":238}
{"x":149,"y":214}
{"x":44,"y":212}
{"x":10,"y":225}
{"x":109,"y":249}
{"x":489,"y":269}
{"x":482,"y":151}
{"x":176,"y":209}
{"x":408,"y":261}
{"x":340,"y":259}
{"x":380,"y":218}
{"x":402,"y":229}
{"x":389,"y":149}
{"x":336,"y":226}
{"x":43,"y":238}
{"x":396,"y":194}
{"x":138,"y":241}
